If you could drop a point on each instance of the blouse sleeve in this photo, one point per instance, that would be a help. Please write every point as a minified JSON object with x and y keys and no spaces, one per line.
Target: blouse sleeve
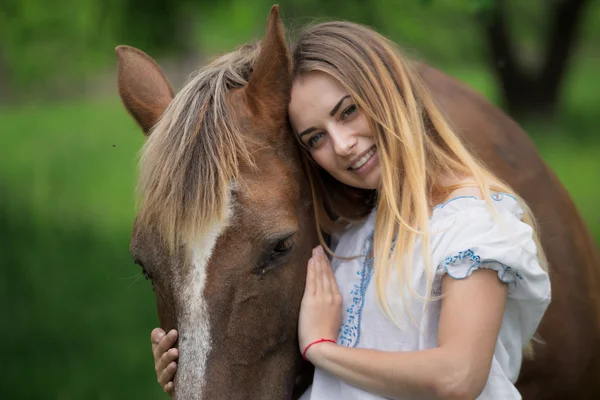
{"x":476,"y":237}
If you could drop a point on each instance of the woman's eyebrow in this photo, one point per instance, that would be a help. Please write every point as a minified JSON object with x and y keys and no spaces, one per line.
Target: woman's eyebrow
{"x":307,"y":131}
{"x":338,"y":105}
{"x":331,"y":113}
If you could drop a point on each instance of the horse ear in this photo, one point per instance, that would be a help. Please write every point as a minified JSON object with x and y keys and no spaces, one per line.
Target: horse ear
{"x":269,"y":86}
{"x":143,"y":88}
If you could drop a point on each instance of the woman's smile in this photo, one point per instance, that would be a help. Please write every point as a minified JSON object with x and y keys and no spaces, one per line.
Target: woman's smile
{"x":365,"y":162}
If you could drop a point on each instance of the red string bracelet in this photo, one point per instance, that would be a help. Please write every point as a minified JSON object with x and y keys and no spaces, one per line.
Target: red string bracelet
{"x":315,"y":342}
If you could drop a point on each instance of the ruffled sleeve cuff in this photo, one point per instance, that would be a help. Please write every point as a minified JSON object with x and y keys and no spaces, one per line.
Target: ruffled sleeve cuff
{"x":473,"y":237}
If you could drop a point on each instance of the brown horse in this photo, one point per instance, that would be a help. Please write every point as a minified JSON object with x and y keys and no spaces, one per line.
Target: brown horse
{"x":226,"y":226}
{"x":220,"y":167}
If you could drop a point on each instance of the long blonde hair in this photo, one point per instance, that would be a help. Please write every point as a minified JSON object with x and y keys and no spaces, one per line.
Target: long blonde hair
{"x":417,"y":149}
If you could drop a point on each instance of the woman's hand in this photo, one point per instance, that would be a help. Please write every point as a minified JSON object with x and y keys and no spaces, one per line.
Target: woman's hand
{"x":321,"y":308}
{"x":164,"y":357}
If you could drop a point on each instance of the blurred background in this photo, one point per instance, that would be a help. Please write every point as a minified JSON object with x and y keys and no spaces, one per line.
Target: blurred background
{"x":76,"y":312}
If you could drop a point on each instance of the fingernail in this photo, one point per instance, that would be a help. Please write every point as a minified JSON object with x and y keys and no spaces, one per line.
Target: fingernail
{"x":319,"y":250}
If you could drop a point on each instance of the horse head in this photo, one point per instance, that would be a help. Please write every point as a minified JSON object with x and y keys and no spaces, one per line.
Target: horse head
{"x":225,"y":227}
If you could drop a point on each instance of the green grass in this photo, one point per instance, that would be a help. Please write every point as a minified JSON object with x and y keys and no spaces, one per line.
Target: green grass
{"x":73,"y":162}
{"x":76,"y":316}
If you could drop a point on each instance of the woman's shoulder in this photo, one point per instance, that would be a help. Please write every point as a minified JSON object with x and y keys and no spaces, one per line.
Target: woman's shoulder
{"x":466,"y":191}
{"x":470,"y":202}
{"x":470,"y":231}
{"x":473,"y":226}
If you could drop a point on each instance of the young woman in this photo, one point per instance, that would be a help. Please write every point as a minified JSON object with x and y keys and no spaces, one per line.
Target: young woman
{"x":437,"y":283}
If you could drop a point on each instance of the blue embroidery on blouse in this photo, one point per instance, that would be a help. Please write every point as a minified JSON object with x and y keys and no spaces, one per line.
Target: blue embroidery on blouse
{"x":476,"y":262}
{"x":495,"y":196}
{"x":349,"y":333}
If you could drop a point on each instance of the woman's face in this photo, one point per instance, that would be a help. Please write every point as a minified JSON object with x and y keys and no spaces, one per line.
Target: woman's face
{"x":334,"y":130}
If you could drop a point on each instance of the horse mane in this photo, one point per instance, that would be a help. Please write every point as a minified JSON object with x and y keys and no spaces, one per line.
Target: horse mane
{"x":194,"y":152}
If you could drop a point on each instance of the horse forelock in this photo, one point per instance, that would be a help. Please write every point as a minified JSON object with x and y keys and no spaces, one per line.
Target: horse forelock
{"x":194,"y":153}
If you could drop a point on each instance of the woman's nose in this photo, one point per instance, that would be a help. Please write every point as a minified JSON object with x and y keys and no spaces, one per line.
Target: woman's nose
{"x":343,"y":141}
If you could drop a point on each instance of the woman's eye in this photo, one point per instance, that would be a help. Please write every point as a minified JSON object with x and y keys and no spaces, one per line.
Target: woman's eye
{"x":350,"y":110}
{"x":314,"y":140}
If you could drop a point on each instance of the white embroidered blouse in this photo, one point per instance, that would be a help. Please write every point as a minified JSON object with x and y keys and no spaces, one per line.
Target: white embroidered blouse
{"x":465,"y":236}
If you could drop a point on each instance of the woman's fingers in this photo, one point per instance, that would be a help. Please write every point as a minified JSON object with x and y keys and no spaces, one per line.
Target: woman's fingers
{"x":325,"y":274}
{"x":155,"y":336}
{"x":166,"y":359}
{"x":329,"y":284}
{"x":333,"y":283}
{"x":310,"y":287}
{"x":318,"y":275}
{"x":167,"y":375}
{"x":165,"y":356}
{"x":165,"y":343}
{"x":169,"y":388}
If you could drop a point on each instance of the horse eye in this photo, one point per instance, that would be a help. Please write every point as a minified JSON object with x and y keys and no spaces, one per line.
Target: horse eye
{"x":275,"y":255}
{"x":284,"y":245}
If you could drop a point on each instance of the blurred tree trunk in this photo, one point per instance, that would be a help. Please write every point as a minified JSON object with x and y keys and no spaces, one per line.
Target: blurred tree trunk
{"x":159,"y":25}
{"x":533,"y":93}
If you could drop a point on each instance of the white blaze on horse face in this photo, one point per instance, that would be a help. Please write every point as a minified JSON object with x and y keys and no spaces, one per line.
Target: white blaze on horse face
{"x":194,"y":325}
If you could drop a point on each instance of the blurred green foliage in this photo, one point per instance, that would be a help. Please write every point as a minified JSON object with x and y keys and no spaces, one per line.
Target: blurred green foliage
{"x":77,"y":313}
{"x":49,"y":48}
{"x":40,"y":42}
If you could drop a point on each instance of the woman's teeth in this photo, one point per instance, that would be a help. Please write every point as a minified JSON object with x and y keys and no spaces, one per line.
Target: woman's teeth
{"x":363,"y":159}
